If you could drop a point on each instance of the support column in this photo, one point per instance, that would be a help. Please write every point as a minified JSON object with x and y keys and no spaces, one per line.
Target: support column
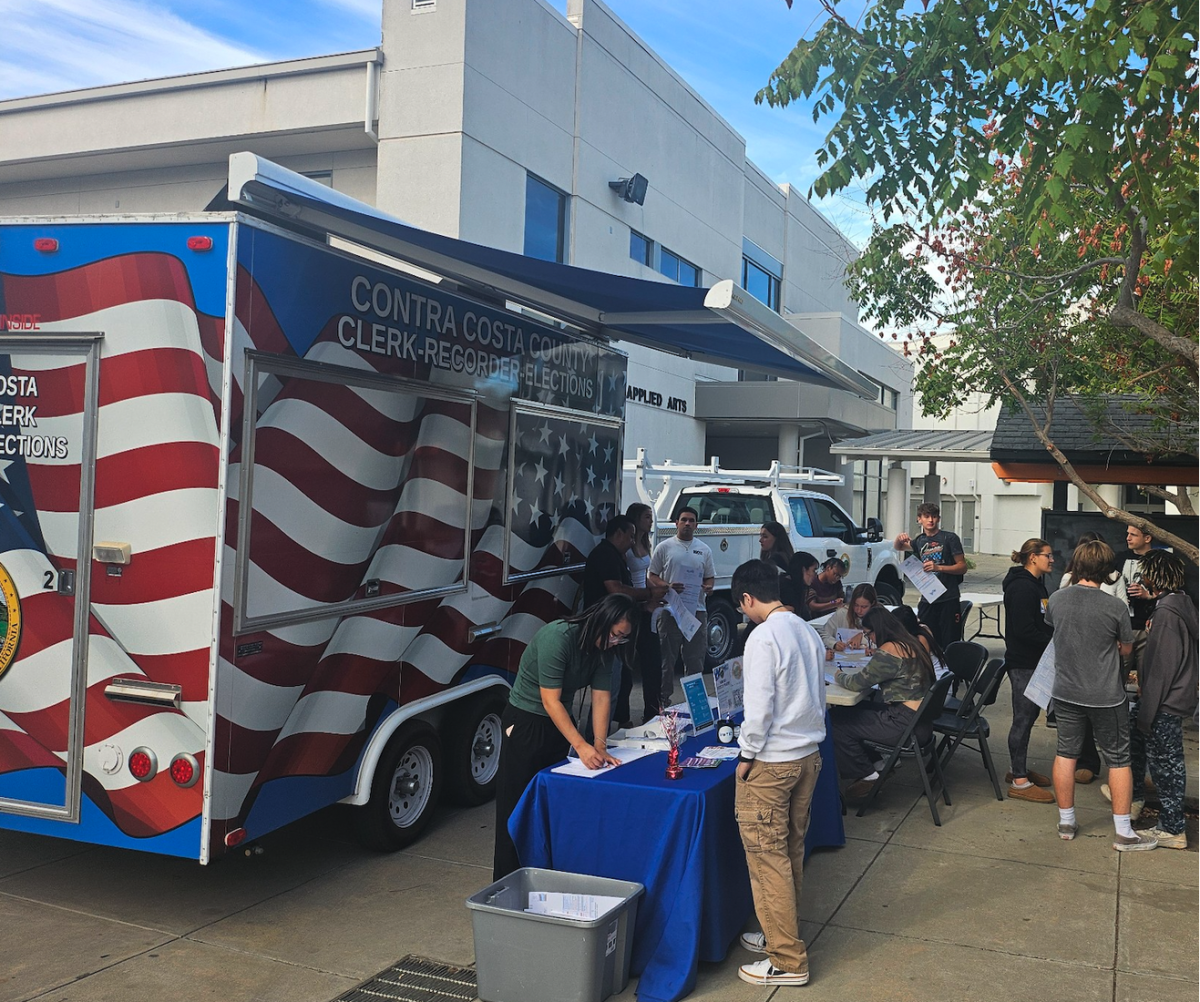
{"x":789,"y":444}
{"x":896,"y":514}
{"x":933,"y":486}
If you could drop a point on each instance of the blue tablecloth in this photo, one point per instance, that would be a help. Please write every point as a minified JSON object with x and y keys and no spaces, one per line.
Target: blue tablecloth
{"x":677,"y":837}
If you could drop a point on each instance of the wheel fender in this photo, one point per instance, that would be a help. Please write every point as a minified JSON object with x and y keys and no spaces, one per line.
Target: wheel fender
{"x":378,"y":741}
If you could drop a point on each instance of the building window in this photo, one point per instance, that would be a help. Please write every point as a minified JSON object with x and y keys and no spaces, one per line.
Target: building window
{"x":677,"y":269}
{"x":762,"y":285}
{"x":641,"y":248}
{"x":324,"y":177}
{"x":545,"y":220}
{"x":762,"y":275}
{"x":884,"y":395}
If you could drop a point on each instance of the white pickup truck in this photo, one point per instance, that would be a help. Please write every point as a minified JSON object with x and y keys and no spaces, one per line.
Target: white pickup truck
{"x":732,"y":505}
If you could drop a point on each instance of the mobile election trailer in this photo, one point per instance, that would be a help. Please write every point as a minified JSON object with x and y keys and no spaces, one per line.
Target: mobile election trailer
{"x":276,"y":523}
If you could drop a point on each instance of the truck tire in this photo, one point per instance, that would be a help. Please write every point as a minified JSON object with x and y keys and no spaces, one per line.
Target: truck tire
{"x":723,"y":622}
{"x":403,"y":791}
{"x":888,"y":593}
{"x":473,"y":748}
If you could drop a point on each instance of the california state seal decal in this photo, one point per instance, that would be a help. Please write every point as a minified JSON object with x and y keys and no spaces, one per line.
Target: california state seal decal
{"x":10,"y":620}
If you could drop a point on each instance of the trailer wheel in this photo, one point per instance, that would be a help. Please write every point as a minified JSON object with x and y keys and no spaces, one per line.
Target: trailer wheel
{"x":473,"y":749}
{"x":722,"y":632}
{"x":403,"y":791}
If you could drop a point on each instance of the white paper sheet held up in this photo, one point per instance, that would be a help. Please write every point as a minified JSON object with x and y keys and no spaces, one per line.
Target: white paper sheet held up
{"x":573,"y":767}
{"x":688,"y":623}
{"x":692,"y":579}
{"x":928,"y":585}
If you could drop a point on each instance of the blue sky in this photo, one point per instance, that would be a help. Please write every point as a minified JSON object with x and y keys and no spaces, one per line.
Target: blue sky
{"x":726,"y":50}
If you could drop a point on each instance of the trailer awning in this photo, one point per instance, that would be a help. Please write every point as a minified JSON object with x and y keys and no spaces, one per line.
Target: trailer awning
{"x":724,"y":324}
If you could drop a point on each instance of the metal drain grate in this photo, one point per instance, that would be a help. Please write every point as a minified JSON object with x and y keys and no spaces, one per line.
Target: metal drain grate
{"x":415,"y":979}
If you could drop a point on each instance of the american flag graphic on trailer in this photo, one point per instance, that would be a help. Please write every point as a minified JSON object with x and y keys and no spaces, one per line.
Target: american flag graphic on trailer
{"x":155,"y":484}
{"x":416,"y":466}
{"x":363,"y":491}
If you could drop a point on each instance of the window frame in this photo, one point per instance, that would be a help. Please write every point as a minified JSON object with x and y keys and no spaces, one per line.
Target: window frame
{"x":261,"y":364}
{"x":533,"y":409}
{"x":563,"y":224}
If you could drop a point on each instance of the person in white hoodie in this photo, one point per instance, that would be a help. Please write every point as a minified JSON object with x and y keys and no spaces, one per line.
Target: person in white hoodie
{"x":784,"y":723}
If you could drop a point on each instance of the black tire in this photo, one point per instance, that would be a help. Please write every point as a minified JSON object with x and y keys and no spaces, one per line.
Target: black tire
{"x":723,"y":622}
{"x":473,"y":738}
{"x":404,"y":790}
{"x":888,"y":593}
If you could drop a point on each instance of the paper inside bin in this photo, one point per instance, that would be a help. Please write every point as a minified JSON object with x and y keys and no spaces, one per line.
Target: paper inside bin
{"x":574,"y":906}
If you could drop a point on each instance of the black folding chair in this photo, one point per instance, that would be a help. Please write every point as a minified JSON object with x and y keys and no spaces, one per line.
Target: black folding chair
{"x":925,"y":754}
{"x":968,"y":723}
{"x":964,"y":610}
{"x":964,"y":660}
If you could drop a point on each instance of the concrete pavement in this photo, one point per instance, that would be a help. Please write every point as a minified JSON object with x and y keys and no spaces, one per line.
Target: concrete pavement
{"x":990,"y":906}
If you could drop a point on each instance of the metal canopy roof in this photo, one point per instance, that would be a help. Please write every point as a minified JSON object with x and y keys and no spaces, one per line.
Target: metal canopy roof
{"x":925,"y":444}
{"x":724,"y":324}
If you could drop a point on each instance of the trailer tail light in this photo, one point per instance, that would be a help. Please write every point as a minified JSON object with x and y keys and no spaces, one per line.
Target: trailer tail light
{"x":143,"y":764}
{"x":185,"y":770}
{"x":199,"y":243}
{"x":235,"y":837}
{"x":47,"y":245}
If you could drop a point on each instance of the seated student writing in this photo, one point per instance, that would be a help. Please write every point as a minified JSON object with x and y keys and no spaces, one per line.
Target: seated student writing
{"x":903,"y":670}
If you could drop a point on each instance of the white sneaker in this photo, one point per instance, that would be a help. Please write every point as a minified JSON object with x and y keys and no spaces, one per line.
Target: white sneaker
{"x":1168,"y":840}
{"x":1140,"y":842}
{"x":755,"y":942}
{"x":762,"y":973}
{"x":1135,"y":809}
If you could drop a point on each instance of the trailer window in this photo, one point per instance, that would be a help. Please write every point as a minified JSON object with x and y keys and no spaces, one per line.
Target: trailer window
{"x":564,"y":484}
{"x":353,"y":494}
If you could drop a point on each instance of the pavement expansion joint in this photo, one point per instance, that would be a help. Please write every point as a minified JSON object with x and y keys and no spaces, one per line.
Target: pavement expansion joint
{"x":415,"y":979}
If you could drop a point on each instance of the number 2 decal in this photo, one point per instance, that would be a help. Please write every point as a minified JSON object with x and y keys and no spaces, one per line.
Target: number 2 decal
{"x":48,"y":584}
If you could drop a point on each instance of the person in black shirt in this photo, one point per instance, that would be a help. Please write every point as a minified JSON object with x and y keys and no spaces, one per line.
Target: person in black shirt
{"x":606,"y":573}
{"x":940,"y":551}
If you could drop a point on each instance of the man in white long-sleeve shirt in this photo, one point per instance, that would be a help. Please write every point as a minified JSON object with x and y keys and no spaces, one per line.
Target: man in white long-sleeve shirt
{"x":784,"y":704}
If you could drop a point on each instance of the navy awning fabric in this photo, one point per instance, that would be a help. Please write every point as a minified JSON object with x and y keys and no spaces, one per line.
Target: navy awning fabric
{"x":659,"y":315}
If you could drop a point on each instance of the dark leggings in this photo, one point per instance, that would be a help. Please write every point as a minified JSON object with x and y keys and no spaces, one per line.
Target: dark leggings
{"x":1024,"y":716}
{"x":649,"y":662}
{"x":1162,"y":751}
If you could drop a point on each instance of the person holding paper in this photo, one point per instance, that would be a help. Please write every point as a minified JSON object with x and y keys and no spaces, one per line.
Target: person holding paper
{"x":778,"y":765}
{"x":848,"y":620}
{"x":562,"y":658}
{"x":940,"y":551}
{"x":685,"y":565}
{"x":1026,"y":635}
{"x":827,"y":593}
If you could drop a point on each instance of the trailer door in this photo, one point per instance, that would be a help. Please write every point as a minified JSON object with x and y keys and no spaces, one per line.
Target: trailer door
{"x":48,"y":402}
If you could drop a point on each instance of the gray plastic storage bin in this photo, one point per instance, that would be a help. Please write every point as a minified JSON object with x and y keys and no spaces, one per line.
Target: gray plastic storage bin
{"x":521,"y":957}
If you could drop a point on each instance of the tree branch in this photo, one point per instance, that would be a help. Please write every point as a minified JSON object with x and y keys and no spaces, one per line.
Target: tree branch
{"x":1182,"y":500}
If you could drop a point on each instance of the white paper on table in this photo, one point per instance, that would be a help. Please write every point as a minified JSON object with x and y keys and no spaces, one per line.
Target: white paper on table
{"x":574,"y":767}
{"x":574,"y":906}
{"x":720,"y":752}
{"x":928,"y":585}
{"x":850,"y":661}
{"x":845,"y":634}
{"x":688,"y":623}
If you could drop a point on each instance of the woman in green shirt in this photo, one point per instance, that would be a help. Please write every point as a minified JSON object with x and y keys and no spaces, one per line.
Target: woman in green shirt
{"x":903,"y":670}
{"x":562,"y":658}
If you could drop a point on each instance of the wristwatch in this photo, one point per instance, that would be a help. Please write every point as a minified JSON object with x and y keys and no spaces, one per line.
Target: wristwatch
{"x":743,"y":757}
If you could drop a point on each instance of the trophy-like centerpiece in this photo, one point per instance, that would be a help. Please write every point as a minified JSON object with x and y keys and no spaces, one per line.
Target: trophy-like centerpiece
{"x":672,"y":726}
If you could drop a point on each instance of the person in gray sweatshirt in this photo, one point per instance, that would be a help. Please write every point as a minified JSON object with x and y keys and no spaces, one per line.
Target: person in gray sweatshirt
{"x":1167,"y":684}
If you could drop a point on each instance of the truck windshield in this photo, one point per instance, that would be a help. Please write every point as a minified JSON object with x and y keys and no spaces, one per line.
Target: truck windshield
{"x":800,"y":517}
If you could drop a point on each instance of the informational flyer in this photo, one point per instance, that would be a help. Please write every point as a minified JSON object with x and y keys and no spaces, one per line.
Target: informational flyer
{"x":928,"y":585}
{"x":692,"y":579}
{"x":688,"y":623}
{"x":730,"y":685}
{"x":697,"y":701}
{"x":851,"y":637}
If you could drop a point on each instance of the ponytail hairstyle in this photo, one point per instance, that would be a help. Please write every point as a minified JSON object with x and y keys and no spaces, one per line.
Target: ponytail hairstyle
{"x":1029,"y":549}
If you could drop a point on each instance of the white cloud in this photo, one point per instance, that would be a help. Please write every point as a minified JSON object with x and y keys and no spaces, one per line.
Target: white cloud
{"x":52,"y":45}
{"x":364,"y":8}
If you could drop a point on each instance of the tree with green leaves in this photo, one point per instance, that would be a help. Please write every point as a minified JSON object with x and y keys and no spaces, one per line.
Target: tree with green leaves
{"x":1033,"y":167}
